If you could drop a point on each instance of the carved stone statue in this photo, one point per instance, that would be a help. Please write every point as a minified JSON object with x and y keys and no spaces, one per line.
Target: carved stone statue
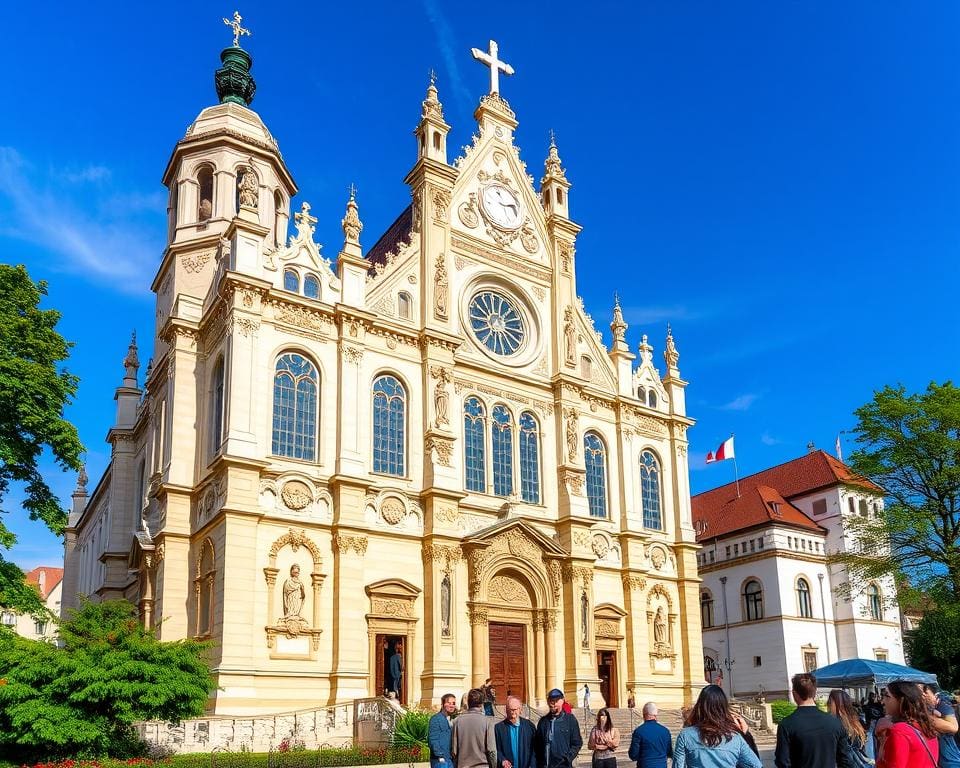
{"x":441,"y":402}
{"x":441,"y":288}
{"x":660,"y":626}
{"x":572,"y":434}
{"x":445,"y":607}
{"x":584,"y":620}
{"x":293,"y":594}
{"x":569,"y":338}
{"x":248,"y":189}
{"x":206,"y":209}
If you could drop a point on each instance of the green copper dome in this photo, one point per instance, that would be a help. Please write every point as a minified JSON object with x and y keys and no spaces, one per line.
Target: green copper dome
{"x":234,"y":82}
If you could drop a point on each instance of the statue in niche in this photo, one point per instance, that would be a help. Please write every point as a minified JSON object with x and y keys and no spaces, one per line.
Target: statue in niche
{"x":572,"y":424}
{"x":206,"y":209}
{"x":441,"y":399}
{"x":445,"y":606}
{"x":247,"y":189}
{"x":570,"y":337}
{"x":442,"y":286}
{"x":584,"y":620}
{"x":660,"y":626}
{"x":293,"y":594}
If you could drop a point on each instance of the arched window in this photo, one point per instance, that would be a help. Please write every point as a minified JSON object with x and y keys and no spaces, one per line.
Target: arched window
{"x":652,"y":399}
{"x":595,"y":457}
{"x":291,"y":281}
{"x":404,"y":305}
{"x":389,"y":423}
{"x":560,"y":196}
{"x":501,"y":425}
{"x":706,"y":609}
{"x":203,"y":588}
{"x":474,"y":455}
{"x":803,"y":599}
{"x":586,"y":367}
{"x":436,"y":140}
{"x":311,"y":287}
{"x":216,"y":405}
{"x":278,"y":229}
{"x":650,"y":491}
{"x":642,"y":394}
{"x":529,"y":458}
{"x":295,"y":393}
{"x":753,"y":600}
{"x":875,"y":602}
{"x":204,"y":194}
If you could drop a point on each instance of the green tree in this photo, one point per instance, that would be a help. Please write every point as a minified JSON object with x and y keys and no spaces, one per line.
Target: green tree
{"x":34,"y":390}
{"x":935,"y":645}
{"x":82,"y":699}
{"x":909,"y":445}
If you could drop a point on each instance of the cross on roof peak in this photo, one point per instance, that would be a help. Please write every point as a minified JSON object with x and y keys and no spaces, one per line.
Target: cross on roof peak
{"x":238,"y":30}
{"x":496,"y":65}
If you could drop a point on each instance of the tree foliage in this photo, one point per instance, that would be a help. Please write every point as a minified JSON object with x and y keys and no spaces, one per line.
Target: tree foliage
{"x":935,"y":645}
{"x":81,"y":700}
{"x":909,"y":445}
{"x":34,"y":390}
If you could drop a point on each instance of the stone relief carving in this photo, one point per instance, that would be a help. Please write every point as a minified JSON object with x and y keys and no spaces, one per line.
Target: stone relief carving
{"x":296,"y":495}
{"x":572,"y":433}
{"x":345,"y":542}
{"x":632,"y":582}
{"x":528,"y":239}
{"x":507,"y":590}
{"x":441,"y":201}
{"x":385,"y":606}
{"x":569,"y":338}
{"x":417,"y":212}
{"x":574,"y":481}
{"x":566,"y":255}
{"x":393,"y":510}
{"x":468,"y":213}
{"x":445,"y":605}
{"x":441,"y":398}
{"x":447,"y":514}
{"x":441,"y":288}
{"x":581,"y":538}
{"x":607,"y":628}
{"x":351,"y":354}
{"x":600,"y":546}
{"x":195,"y":262}
{"x":658,"y":557}
{"x":443,"y":448}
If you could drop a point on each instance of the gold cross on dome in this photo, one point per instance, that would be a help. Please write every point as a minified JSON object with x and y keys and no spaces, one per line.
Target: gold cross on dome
{"x":238,"y":30}
{"x":496,"y":66}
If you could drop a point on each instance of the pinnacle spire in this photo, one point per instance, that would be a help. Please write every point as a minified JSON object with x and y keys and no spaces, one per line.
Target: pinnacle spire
{"x":670,"y":354}
{"x":352,"y":226}
{"x":131,"y":363}
{"x":552,"y":166}
{"x":431,"y":104}
{"x":619,"y":326}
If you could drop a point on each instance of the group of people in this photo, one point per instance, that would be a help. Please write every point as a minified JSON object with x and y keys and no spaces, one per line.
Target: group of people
{"x":917,"y":729}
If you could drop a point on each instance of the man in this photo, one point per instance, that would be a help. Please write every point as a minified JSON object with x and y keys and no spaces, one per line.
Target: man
{"x":438,"y":734}
{"x":872,"y":713}
{"x":651,"y":744}
{"x":514,"y":736}
{"x":810,"y":738}
{"x":558,"y":740}
{"x":394,"y":670}
{"x":945,"y":722}
{"x":473,"y":743}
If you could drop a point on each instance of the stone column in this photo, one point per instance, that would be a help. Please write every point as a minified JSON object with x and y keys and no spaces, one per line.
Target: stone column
{"x":480,"y":644}
{"x":550,"y":646}
{"x":540,"y":660}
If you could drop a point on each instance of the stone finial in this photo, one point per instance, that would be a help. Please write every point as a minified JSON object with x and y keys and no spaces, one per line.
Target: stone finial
{"x":131,"y":362}
{"x":82,"y":479}
{"x":431,"y":105}
{"x":304,"y":222}
{"x":646,"y":351}
{"x":670,"y":354}
{"x":553,"y":169}
{"x":352,"y":226}
{"x":619,"y":325}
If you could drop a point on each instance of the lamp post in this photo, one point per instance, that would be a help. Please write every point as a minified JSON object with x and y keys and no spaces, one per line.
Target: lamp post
{"x":728,"y":661}
{"x":823,"y":612}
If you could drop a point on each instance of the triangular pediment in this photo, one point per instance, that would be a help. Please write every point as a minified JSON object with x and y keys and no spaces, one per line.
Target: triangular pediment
{"x":519,"y":536}
{"x":396,"y":588}
{"x":302,"y":255}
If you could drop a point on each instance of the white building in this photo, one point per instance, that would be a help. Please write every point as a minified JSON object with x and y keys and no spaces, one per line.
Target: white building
{"x":770,"y":604}
{"x":49,"y":582}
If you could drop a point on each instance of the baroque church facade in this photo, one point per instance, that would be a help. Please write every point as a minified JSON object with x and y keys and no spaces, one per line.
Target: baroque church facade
{"x":412,"y":470}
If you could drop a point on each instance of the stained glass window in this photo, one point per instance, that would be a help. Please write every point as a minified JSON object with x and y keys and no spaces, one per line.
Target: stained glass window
{"x":650,"y":491}
{"x":295,"y":388}
{"x":291,"y":281}
{"x":389,"y":422}
{"x":496,"y":322}
{"x":474,"y":423}
{"x":216,"y":420}
{"x":529,"y":458}
{"x":502,"y":443}
{"x":595,"y":457}
{"x":311,"y":287}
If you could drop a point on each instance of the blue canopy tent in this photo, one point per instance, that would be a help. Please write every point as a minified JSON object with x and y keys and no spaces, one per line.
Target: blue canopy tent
{"x":867,"y":673}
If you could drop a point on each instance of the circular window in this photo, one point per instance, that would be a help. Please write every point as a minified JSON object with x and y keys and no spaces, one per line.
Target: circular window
{"x":497,"y":323}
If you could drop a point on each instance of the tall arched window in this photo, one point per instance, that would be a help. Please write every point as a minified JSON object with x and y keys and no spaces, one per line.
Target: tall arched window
{"x":874,"y":602}
{"x":295,"y":392}
{"x":501,"y":425}
{"x":278,"y":233}
{"x":474,"y":455}
{"x":529,"y":458}
{"x":706,"y":609}
{"x":216,"y":406}
{"x":803,"y":599}
{"x":389,"y":424}
{"x":291,"y":281}
{"x":595,"y":457}
{"x":311,"y":287}
{"x":652,"y":399}
{"x":753,"y":600}
{"x":404,"y":306}
{"x":204,"y":193}
{"x":650,"y":491}
{"x":203,"y":587}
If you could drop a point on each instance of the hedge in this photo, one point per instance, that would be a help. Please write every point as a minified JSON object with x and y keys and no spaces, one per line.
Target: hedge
{"x":780,"y":709}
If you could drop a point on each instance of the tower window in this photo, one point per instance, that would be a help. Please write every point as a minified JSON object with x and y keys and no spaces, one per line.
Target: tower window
{"x":436,"y":140}
{"x":559,"y":197}
{"x":205,"y":197}
{"x":546,"y":197}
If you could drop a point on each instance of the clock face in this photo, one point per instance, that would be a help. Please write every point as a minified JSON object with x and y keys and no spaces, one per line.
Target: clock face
{"x":501,"y":206}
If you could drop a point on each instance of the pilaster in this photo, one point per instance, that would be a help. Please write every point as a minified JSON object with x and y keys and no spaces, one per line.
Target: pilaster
{"x":348,"y":679}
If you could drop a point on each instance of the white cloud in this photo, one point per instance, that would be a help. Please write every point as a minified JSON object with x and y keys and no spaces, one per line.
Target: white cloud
{"x":741,"y":403}
{"x":90,"y":173}
{"x":101,"y":234}
{"x":767,"y":439}
{"x":450,"y":50}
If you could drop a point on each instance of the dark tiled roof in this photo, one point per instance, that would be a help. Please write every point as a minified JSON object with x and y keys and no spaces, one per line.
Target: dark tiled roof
{"x":720,"y":511}
{"x":395,"y":233}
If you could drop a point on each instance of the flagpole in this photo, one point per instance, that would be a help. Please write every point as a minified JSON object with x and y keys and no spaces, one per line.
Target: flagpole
{"x":736,"y":471}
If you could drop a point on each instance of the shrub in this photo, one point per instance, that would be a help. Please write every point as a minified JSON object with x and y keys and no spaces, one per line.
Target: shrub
{"x":780,"y":709}
{"x":411,"y":728}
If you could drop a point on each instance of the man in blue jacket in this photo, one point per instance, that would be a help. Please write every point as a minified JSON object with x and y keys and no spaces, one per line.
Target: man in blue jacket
{"x":438,"y":735}
{"x":651,"y":744}
{"x":514,"y":737}
{"x":558,"y":740}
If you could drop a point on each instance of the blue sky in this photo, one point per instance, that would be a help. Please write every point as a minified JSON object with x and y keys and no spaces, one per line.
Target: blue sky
{"x":780,"y":181}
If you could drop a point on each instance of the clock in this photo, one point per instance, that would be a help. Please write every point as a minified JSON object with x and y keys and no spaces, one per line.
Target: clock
{"x":501,"y":206}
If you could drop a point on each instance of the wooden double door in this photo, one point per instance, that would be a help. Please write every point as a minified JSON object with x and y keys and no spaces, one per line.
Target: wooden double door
{"x":508,"y":668}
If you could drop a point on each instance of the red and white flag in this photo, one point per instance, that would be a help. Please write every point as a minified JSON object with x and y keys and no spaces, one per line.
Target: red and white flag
{"x":725,"y":451}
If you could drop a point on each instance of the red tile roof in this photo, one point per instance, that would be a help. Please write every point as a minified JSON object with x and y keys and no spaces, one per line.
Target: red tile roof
{"x":51,"y":577}
{"x":719,"y":511}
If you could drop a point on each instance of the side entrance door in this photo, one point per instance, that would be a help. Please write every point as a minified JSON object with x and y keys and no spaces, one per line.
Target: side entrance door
{"x":508,"y":672}
{"x":607,"y":672}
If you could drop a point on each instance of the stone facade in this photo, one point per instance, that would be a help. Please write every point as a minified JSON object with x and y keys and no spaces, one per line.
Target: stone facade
{"x":302,"y":562}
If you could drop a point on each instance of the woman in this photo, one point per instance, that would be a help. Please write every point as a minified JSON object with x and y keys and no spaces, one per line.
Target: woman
{"x":910,"y":741}
{"x":712,"y":737}
{"x":604,"y":740}
{"x":841,"y":706}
